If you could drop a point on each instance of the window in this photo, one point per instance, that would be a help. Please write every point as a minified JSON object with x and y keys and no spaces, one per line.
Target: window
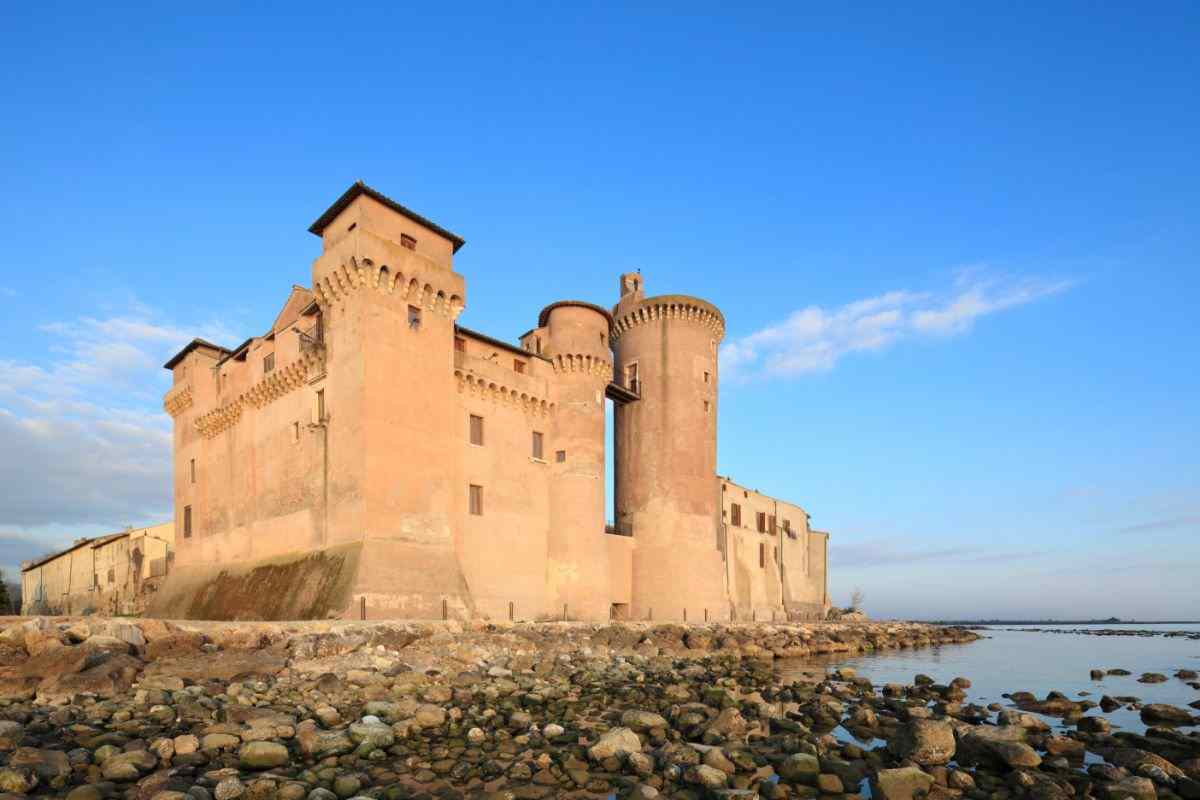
{"x":775,"y":554}
{"x":518,"y":366}
{"x":476,"y":497}
{"x":192,"y":468}
{"x":707,"y":406}
{"x":460,"y":344}
{"x":537,"y":445}
{"x":295,"y":431}
{"x":538,"y":341}
{"x":560,"y":456}
{"x":761,"y":520}
{"x":631,"y":377}
{"x":320,"y":327}
{"x":771,"y":525}
{"x":414,"y":318}
{"x":762,"y":555}
{"x":476,"y":430}
{"x":320,"y":405}
{"x":707,"y":377}
{"x":187,"y":522}
{"x":408,"y":241}
{"x":787,"y":526}
{"x":735,"y":513}
{"x":268,"y":363}
{"x":603,"y":340}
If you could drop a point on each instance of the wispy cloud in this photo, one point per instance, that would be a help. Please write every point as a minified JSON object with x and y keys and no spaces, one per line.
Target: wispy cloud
{"x":890,"y":552}
{"x":1167,"y":524}
{"x":814,"y":339}
{"x":86,"y":441}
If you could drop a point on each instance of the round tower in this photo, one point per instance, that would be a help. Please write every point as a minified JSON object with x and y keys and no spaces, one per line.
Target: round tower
{"x":577,"y":344}
{"x":667,"y":492}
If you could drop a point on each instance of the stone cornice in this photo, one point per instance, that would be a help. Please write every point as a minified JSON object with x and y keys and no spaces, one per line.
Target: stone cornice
{"x":671,"y":307}
{"x":469,"y":383}
{"x":577,"y":362}
{"x":355,"y":274}
{"x":178,"y":400}
{"x":277,"y":383}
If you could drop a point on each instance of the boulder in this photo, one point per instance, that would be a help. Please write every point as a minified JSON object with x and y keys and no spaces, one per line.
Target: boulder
{"x":1161,"y":712}
{"x":799,"y":768}
{"x":640,"y":720}
{"x":904,"y":783}
{"x":924,"y":741}
{"x":616,"y":742}
{"x":264,"y":755}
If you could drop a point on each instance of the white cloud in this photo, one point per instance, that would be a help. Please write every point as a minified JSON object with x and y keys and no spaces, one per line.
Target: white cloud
{"x":814,"y":339}
{"x":86,"y":443}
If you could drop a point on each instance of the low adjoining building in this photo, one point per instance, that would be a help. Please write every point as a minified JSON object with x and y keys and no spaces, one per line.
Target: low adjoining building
{"x":368,"y":456}
{"x":112,"y":574}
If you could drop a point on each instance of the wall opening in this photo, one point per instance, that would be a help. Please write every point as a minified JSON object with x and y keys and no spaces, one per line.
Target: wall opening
{"x":619,"y":611}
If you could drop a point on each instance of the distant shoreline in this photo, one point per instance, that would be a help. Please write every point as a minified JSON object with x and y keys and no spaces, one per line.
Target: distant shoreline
{"x":1062,"y":622}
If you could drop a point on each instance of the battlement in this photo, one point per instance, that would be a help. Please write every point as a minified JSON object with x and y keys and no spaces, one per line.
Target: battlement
{"x":671,"y":307}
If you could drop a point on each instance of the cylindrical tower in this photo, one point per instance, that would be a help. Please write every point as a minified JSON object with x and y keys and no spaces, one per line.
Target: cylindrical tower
{"x":577,"y":343}
{"x":666,"y":452}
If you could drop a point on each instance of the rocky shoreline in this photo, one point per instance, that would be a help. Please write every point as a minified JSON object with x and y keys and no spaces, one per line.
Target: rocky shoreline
{"x":148,"y":710}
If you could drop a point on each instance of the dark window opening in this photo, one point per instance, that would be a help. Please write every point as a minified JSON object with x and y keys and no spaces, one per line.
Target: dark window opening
{"x":761,"y":520}
{"x":762,"y":555}
{"x":320,"y":405}
{"x":518,"y":366}
{"x":772,"y":526}
{"x":537,"y":445}
{"x":735,"y":513}
{"x":476,"y":500}
{"x":476,"y":430}
{"x":269,"y":363}
{"x":460,"y":344}
{"x":187,"y":522}
{"x":408,"y":242}
{"x":560,"y":456}
{"x":414,"y":318}
{"x":192,"y":467}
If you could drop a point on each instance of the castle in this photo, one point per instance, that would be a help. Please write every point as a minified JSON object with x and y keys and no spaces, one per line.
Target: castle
{"x":369,"y":457}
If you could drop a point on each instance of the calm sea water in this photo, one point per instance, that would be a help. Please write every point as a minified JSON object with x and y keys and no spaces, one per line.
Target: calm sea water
{"x":1026,"y":660}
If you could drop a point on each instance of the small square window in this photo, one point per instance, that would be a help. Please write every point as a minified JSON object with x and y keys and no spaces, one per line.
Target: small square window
{"x":560,"y":456}
{"x":476,"y":500}
{"x":537,"y":445}
{"x":476,"y":430}
{"x":414,"y":318}
{"x":518,"y":366}
{"x":269,"y":363}
{"x":408,"y":242}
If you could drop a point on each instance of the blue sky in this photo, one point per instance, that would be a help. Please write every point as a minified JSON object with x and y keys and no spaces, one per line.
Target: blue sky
{"x":957,"y":249}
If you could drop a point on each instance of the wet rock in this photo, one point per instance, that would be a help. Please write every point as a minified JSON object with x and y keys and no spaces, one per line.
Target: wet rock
{"x":706,"y":776}
{"x":640,"y":720}
{"x":904,"y":783}
{"x":11,"y":734}
{"x":1152,"y":677}
{"x":1160,"y":712}
{"x":799,"y":768}
{"x":264,"y":755}
{"x":925,"y":742}
{"x":1131,"y":788}
{"x":615,"y":743}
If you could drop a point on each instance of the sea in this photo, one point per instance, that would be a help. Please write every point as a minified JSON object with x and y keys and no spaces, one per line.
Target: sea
{"x":1015,"y":658}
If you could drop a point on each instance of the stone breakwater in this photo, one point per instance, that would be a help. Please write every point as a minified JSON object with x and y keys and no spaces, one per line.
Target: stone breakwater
{"x":149,"y":710}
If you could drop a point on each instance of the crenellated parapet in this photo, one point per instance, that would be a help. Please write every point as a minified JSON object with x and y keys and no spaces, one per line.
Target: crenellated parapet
{"x":356,"y":274}
{"x":178,"y":399}
{"x":670,"y":307}
{"x":277,"y":383}
{"x":469,"y":383}
{"x":283,"y":380}
{"x":582,"y":363}
{"x":219,"y":419}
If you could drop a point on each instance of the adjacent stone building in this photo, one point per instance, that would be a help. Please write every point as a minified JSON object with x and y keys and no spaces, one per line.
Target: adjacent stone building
{"x":112,"y":574}
{"x":368,"y":456}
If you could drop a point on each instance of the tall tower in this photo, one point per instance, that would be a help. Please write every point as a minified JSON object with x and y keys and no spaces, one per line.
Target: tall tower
{"x":577,"y":343}
{"x":666,"y":452}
